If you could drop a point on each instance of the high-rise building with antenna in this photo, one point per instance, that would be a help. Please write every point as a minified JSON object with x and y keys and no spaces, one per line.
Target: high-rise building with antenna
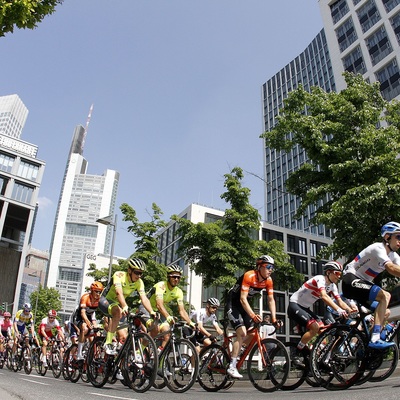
{"x":83,"y":199}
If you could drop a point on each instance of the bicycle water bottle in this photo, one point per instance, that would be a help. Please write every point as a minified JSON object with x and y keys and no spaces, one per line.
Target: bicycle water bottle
{"x":387,"y":330}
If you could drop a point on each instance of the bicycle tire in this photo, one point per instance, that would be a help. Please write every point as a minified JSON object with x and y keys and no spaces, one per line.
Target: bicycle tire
{"x":27,"y":360}
{"x":9,"y":358}
{"x":388,"y":366}
{"x":72,"y":367}
{"x":296,"y":376}
{"x":139,"y":364}
{"x":268,"y":366}
{"x":181,"y":365}
{"x":214,"y":361}
{"x":56,"y":363}
{"x":98,"y":363}
{"x":36,"y":352}
{"x":338,"y":357}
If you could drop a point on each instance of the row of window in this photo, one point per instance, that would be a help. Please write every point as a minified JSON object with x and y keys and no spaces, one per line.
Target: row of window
{"x":25,"y":169}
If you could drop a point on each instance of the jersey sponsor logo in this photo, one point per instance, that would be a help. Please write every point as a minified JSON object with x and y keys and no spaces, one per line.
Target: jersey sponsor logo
{"x":359,"y":285}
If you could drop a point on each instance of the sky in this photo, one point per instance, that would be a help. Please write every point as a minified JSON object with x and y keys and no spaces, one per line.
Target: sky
{"x":176,"y":93}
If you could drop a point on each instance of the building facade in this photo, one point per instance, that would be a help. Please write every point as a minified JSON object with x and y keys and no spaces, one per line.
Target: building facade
{"x":21,"y":174}
{"x":301,"y":247}
{"x":83,"y":199}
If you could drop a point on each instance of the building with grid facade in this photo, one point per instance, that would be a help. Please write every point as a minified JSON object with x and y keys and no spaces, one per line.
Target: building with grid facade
{"x":84,"y":198}
{"x":21,"y":174}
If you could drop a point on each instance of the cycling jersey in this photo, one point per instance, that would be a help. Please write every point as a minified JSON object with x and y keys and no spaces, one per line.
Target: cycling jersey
{"x":201,"y":316}
{"x":121,"y":280}
{"x":371,"y":261}
{"x":161,"y":291}
{"x":89,"y":304}
{"x":48,"y":325}
{"x":5,"y":327}
{"x":249,"y":283}
{"x":311,"y":290}
{"x":23,"y":320}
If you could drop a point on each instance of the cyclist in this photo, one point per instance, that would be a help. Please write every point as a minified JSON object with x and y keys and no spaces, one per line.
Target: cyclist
{"x":202,"y":317}
{"x":113,"y":304}
{"x":238,"y":310}
{"x":46,"y":332}
{"x":162,"y":293}
{"x":359,"y":275}
{"x":22,"y":320}
{"x":322,"y":287}
{"x":84,"y":316}
{"x":5,"y":332}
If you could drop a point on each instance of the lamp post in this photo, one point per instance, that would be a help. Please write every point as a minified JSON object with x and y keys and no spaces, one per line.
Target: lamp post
{"x":38,"y":287}
{"x":108,"y":221}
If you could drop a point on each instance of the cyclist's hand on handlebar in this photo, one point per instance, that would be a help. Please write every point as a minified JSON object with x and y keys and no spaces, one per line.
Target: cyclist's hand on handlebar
{"x":342,"y":313}
{"x":256,"y":318}
{"x":155,"y":316}
{"x":212,"y":338}
{"x":170,"y":319}
{"x":278,"y":323}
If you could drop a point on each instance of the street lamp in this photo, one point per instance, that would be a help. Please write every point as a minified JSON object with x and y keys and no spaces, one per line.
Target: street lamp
{"x":38,"y":287}
{"x":108,"y":221}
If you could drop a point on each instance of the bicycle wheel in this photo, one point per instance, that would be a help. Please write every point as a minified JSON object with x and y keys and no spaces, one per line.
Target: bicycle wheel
{"x":56,"y":363}
{"x":139,"y":363}
{"x":212,"y":370}
{"x":297,"y":375}
{"x":9,"y":358}
{"x":27,"y":360}
{"x":390,"y":358}
{"x":268,"y":365}
{"x":338,"y":357}
{"x":71,"y":367}
{"x":98,"y":363}
{"x":36,"y":359}
{"x":181,"y":365}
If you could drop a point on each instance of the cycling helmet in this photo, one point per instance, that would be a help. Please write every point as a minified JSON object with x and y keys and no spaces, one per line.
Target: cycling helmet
{"x":96,"y":286}
{"x":52,"y":313}
{"x":212,"y":301}
{"x":265,"y":260}
{"x":390,"y":227}
{"x":7,"y":314}
{"x":332,"y":266}
{"x":27,"y":307}
{"x":136,"y":263}
{"x":174,"y":268}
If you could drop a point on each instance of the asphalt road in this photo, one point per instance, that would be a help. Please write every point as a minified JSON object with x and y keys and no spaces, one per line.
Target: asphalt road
{"x":19,"y":386}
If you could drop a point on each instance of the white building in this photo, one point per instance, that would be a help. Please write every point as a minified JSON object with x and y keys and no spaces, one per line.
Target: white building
{"x":84,"y":198}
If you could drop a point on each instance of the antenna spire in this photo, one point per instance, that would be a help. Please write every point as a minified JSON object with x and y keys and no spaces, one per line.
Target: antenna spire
{"x":87,"y":125}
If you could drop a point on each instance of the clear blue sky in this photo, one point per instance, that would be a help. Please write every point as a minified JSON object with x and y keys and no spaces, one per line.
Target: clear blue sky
{"x":176,"y":87}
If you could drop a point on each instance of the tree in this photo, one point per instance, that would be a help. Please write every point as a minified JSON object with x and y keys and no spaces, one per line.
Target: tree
{"x":221,"y":250}
{"x":46,"y":299}
{"x":352,"y":140}
{"x":24,"y":13}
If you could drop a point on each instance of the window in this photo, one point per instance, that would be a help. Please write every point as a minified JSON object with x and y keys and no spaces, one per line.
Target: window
{"x":346,"y":34}
{"x":354,"y":62}
{"x":368,"y":15}
{"x":6,"y":162}
{"x":395,"y":21}
{"x":378,"y":45}
{"x":338,"y":10}
{"x":390,"y":4}
{"x":28,"y":170}
{"x":389,"y":77}
{"x":3,"y":185}
{"x":22,"y":193}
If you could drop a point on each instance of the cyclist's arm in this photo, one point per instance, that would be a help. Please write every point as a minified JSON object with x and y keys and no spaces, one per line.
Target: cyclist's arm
{"x":328,"y":300}
{"x":146,"y":302}
{"x":85,"y":317}
{"x":246,"y":305}
{"x":344,"y":305}
{"x":184,"y":315}
{"x":120,"y":296}
{"x":392,"y":268}
{"x":161,"y":308}
{"x":272,"y":306}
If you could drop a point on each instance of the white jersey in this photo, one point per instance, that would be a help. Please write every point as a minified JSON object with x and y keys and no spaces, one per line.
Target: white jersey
{"x":371,"y":261}
{"x":201,"y":316}
{"x":311,"y":290}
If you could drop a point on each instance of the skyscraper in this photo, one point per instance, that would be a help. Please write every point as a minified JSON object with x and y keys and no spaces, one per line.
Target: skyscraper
{"x":20,"y":178}
{"x":359,"y":36}
{"x":83,"y":199}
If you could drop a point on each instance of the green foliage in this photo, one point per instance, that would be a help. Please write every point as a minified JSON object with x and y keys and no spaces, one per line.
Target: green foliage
{"x":352,"y":140}
{"x":24,"y":13}
{"x":221,"y":251}
{"x":46,"y":299}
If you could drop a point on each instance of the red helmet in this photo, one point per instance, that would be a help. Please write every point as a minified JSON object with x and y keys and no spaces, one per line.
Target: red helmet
{"x":52,"y":313}
{"x":7,"y":314}
{"x":96,"y":286}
